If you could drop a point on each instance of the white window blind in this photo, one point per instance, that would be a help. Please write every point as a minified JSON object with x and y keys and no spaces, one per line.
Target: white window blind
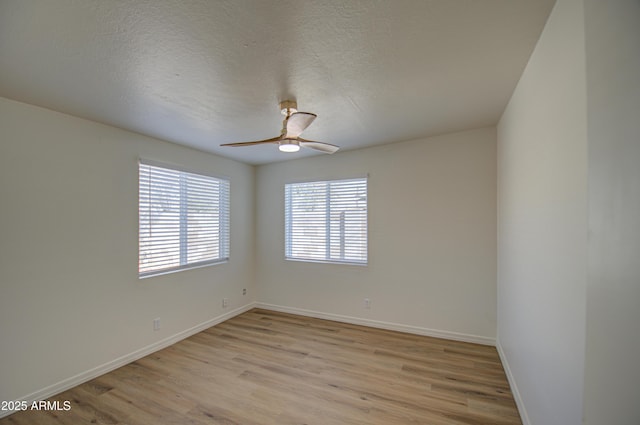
{"x":326,"y":221}
{"x":183,"y":220}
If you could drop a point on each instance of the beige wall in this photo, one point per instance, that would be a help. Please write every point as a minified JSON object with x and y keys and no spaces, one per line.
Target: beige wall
{"x":568,"y":208}
{"x":542,"y":225}
{"x":432,"y":238}
{"x":70,"y":298}
{"x":613,"y":296}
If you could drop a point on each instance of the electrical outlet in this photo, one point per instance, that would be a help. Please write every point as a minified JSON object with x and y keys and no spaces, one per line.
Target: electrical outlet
{"x":156,"y":324}
{"x":225,"y":302}
{"x":367,"y":303}
{"x":244,"y":291}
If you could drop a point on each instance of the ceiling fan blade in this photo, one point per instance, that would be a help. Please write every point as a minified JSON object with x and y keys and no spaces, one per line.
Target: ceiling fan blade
{"x":257,"y":142}
{"x":319,"y":146}
{"x":297,"y":123}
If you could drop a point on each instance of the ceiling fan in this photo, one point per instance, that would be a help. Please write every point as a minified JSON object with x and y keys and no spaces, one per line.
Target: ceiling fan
{"x":293,"y":125}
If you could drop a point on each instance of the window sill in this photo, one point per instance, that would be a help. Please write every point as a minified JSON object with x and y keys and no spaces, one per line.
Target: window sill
{"x":338,"y":262}
{"x":181,"y":268}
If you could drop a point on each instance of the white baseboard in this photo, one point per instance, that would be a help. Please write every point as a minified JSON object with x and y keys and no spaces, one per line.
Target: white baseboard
{"x":90,"y":374}
{"x":512,"y":383}
{"x":381,"y":325}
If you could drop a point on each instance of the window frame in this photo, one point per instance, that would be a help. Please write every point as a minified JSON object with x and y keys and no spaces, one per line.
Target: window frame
{"x":327,"y":240}
{"x":223,"y":226}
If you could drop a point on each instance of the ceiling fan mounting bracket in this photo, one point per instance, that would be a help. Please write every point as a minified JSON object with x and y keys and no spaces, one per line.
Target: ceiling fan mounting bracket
{"x":288,"y":107}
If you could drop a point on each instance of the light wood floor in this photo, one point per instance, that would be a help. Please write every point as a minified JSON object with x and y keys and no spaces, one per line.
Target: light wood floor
{"x":264,"y":367}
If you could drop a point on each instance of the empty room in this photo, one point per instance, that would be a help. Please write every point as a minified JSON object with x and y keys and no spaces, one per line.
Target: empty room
{"x":320,"y":212}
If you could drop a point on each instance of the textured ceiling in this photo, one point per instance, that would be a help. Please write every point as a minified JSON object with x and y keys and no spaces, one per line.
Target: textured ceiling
{"x":202,"y":73}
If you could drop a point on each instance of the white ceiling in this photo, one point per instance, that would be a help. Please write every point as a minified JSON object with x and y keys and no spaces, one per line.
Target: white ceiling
{"x":202,"y":73}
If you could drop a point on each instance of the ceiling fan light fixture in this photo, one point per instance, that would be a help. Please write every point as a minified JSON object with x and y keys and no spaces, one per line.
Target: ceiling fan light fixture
{"x":289,"y":146}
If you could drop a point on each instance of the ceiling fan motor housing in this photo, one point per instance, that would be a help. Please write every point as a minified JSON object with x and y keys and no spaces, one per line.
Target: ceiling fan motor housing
{"x":288,"y":107}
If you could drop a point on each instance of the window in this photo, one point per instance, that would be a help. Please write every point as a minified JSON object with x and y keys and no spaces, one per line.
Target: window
{"x":326,"y":221}
{"x":183,"y":220}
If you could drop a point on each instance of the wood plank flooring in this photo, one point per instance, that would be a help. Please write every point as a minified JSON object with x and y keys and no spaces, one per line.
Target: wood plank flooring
{"x":265,"y":367}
